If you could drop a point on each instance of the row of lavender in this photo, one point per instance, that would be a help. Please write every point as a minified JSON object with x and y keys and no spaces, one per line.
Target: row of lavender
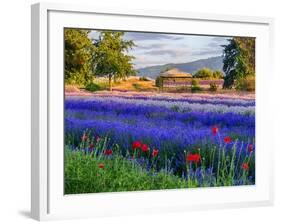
{"x":200,"y":105}
{"x":209,"y":99}
{"x":173,"y":126}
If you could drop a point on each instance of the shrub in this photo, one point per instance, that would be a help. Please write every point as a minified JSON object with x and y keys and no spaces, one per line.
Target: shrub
{"x":158,"y":82}
{"x":213,"y":87}
{"x":137,"y":86}
{"x":195,"y":86}
{"x":246,"y":84}
{"x":143,"y":78}
{"x":218,"y":74}
{"x":205,"y":73}
{"x":92,"y":87}
{"x":195,"y":82}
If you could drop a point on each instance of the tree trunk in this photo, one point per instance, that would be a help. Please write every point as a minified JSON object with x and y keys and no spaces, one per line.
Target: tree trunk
{"x":110,"y":83}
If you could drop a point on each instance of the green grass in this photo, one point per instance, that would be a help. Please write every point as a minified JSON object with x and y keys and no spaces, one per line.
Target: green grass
{"x":96,"y":86}
{"x":83,"y":175}
{"x":120,"y":172}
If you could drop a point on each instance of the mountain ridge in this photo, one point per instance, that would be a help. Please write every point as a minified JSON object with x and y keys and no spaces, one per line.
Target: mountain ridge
{"x":214,"y":63}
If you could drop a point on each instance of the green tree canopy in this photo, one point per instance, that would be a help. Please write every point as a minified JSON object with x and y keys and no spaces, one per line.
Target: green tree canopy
{"x":111,"y":57}
{"x":239,"y":60}
{"x":217,"y":74}
{"x":78,"y":56}
{"x":204,"y":73}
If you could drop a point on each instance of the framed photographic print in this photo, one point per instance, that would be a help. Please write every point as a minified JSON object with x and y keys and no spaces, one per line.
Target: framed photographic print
{"x":148,"y":111}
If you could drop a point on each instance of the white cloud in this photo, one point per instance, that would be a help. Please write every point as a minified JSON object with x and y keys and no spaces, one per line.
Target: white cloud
{"x":156,"y":48}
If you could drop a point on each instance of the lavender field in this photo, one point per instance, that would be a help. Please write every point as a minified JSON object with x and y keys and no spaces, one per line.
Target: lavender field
{"x":142,"y":142}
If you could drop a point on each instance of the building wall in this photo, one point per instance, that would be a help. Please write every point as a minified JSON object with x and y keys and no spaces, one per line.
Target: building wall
{"x":176,"y":82}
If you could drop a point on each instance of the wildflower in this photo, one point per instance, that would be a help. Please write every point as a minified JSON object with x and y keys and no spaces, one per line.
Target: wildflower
{"x":97,"y":138}
{"x":215,"y":130}
{"x":144,"y":147}
{"x":245,"y":166}
{"x":91,"y":147}
{"x":193,"y":157}
{"x":108,"y":152}
{"x":250,"y":148}
{"x":101,"y":165}
{"x":84,"y":137}
{"x":227,"y":139}
{"x":136,"y":144}
{"x":155,"y":152}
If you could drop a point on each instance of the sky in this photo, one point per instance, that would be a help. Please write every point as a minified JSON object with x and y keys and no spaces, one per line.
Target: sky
{"x":158,"y":49}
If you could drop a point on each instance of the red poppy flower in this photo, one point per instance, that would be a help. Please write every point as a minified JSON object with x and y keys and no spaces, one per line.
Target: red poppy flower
{"x":227,"y":139}
{"x":84,"y":137}
{"x":108,"y":152}
{"x":136,"y":144}
{"x":193,"y":157}
{"x":101,"y":165}
{"x":250,"y":148}
{"x":97,"y":138}
{"x":144,"y":147}
{"x":215,"y":130}
{"x":91,"y":146}
{"x":245,"y":166}
{"x":155,"y":152}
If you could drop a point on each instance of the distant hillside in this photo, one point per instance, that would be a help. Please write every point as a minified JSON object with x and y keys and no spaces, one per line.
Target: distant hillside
{"x":214,"y":63}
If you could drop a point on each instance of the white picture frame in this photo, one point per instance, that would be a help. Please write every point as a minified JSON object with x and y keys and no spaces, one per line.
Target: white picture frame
{"x":47,"y":198}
